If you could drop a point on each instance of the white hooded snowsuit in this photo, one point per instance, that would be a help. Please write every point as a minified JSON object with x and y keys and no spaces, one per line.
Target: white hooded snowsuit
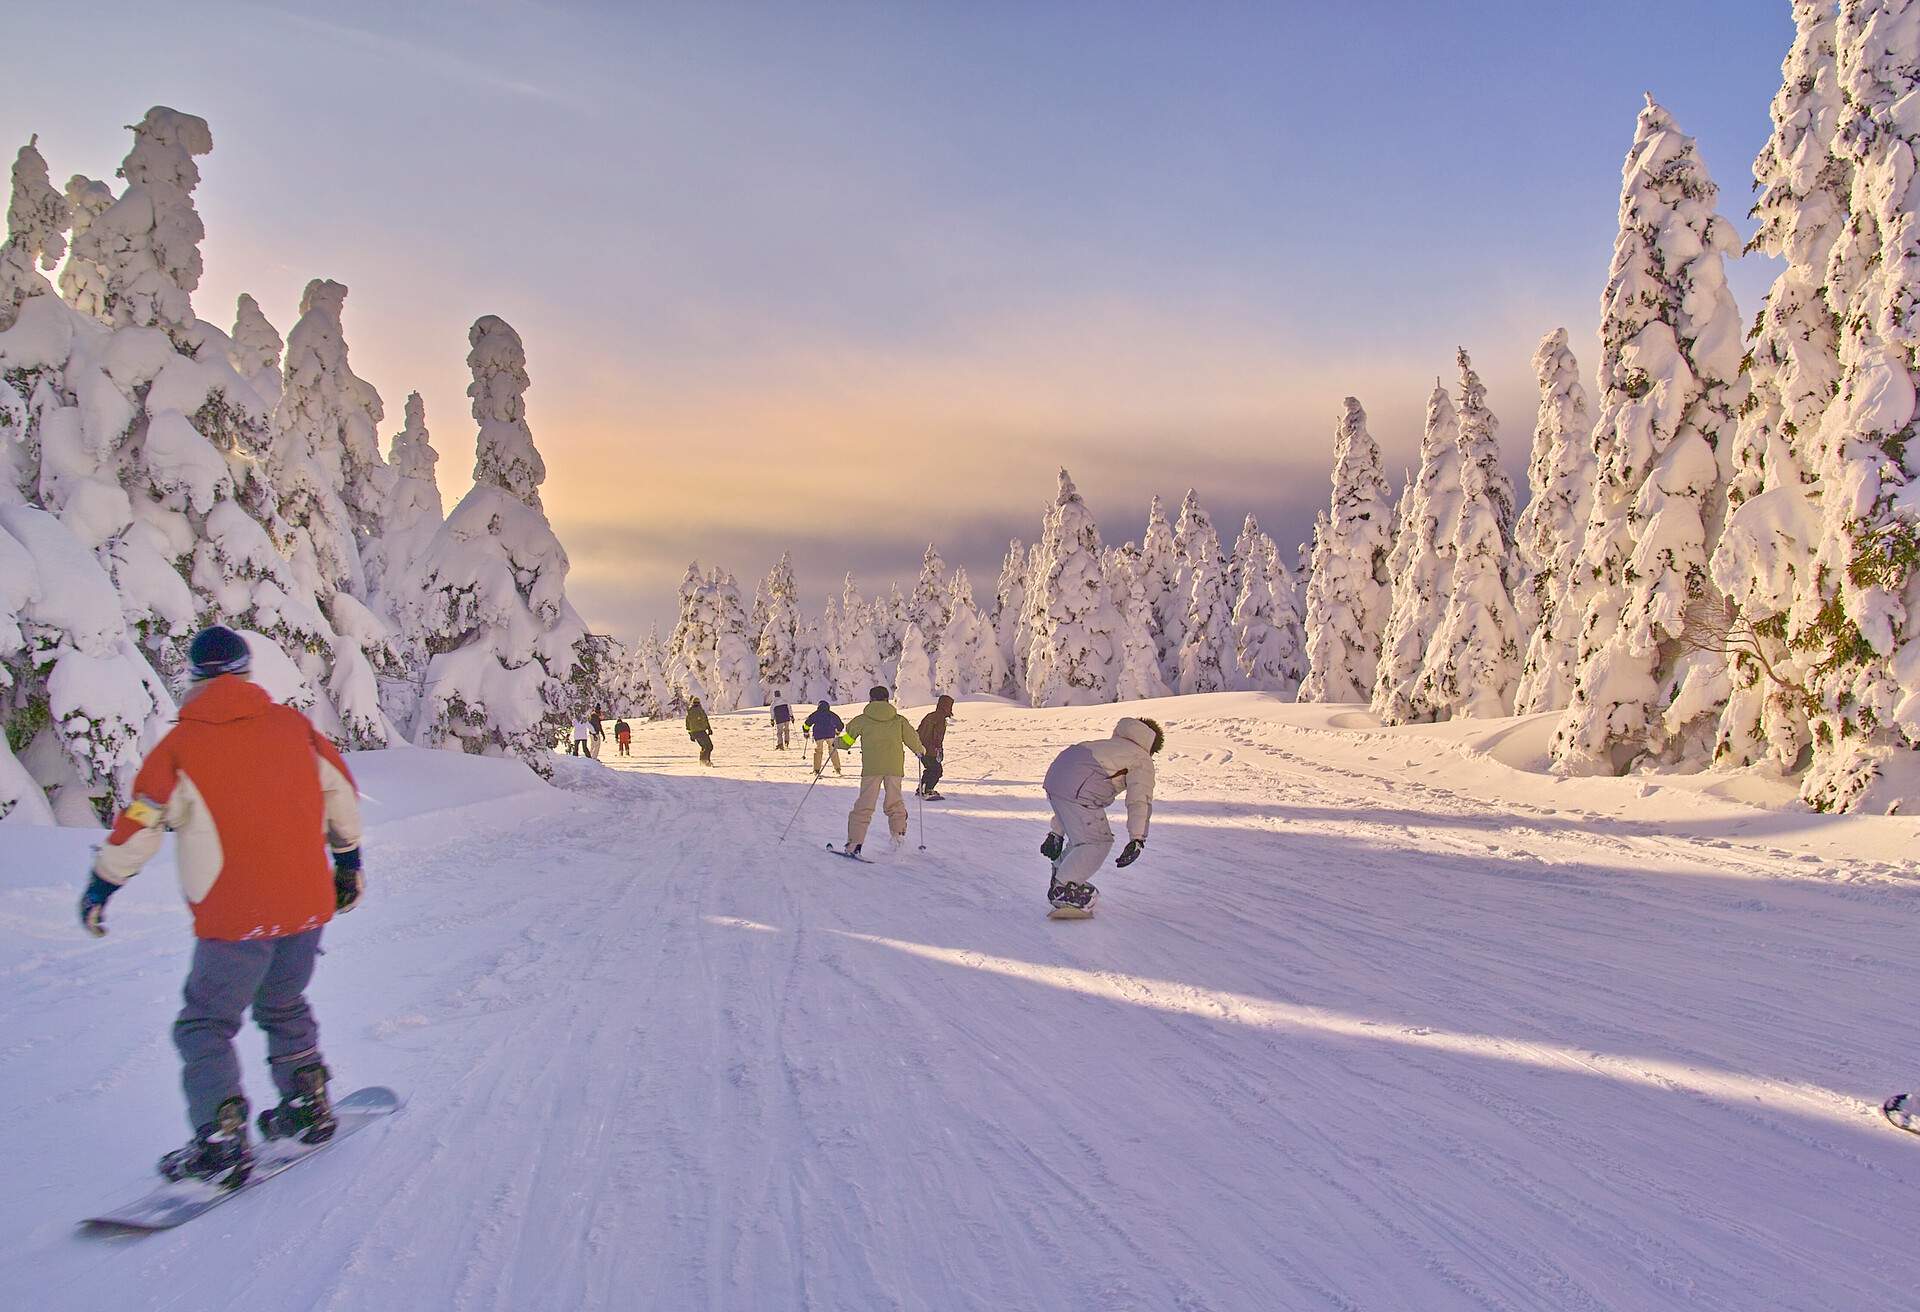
{"x":1083,"y":781}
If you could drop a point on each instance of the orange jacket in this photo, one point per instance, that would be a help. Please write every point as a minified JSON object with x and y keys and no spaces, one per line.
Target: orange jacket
{"x":255,"y":795}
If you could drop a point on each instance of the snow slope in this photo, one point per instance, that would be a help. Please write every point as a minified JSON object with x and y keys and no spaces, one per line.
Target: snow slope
{"x":1380,"y":1021}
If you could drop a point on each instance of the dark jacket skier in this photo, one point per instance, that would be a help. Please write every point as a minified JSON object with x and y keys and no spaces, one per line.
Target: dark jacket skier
{"x":933,"y":737}
{"x":782,"y":723}
{"x":825,"y":727}
{"x":700,"y":729}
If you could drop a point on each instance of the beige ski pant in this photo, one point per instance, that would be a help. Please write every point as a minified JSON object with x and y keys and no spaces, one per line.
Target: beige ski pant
{"x":822,"y":749}
{"x":862,"y":814}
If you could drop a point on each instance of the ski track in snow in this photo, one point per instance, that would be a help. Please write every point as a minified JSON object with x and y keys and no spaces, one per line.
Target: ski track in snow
{"x":1344,"y":1039}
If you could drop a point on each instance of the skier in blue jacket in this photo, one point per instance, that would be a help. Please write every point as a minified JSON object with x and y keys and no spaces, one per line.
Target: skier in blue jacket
{"x":824,"y":727}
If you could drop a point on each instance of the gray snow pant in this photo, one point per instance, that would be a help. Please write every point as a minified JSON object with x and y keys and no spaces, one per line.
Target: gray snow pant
{"x":1079,"y":792}
{"x":269,"y":974}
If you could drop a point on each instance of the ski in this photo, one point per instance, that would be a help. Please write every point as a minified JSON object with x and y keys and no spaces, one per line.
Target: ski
{"x":851,"y":856}
{"x":176,"y":1203}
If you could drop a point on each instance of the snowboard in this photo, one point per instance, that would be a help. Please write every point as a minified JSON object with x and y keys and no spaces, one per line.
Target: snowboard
{"x":1070,"y":913}
{"x":173,"y":1203}
{"x":851,"y":856}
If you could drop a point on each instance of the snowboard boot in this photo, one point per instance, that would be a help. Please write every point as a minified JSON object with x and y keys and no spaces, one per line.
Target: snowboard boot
{"x":218,"y":1153}
{"x":305,"y":1114}
{"x":1052,"y":846}
{"x":1903,"y":1112}
{"x":1078,"y":896}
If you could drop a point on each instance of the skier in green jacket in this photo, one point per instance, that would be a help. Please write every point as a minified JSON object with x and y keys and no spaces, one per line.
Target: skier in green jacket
{"x":885,"y":737}
{"x":700,"y":729}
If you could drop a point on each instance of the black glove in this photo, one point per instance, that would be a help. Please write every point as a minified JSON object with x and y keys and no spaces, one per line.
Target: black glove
{"x":1131,"y":853}
{"x":93,"y":905}
{"x":1052,"y":846}
{"x":348,"y":883}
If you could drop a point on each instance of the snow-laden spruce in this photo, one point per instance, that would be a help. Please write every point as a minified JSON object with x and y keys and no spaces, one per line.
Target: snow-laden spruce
{"x":1764,"y":562}
{"x":415,"y":513}
{"x":506,"y":644}
{"x":1136,"y":661}
{"x":1070,"y":660}
{"x":1550,"y":531}
{"x":1009,"y":604}
{"x":83,"y":279}
{"x":1473,"y":662}
{"x":255,"y":351}
{"x":1271,"y":654}
{"x":1859,"y":618}
{"x":969,"y":659}
{"x":37,"y":220}
{"x":1160,"y":584}
{"x":147,"y":243}
{"x":736,"y":667}
{"x":1421,"y":567}
{"x":928,"y":606}
{"x":778,"y":648}
{"x":912,"y":680}
{"x":1669,"y":377}
{"x":81,"y":703}
{"x":1347,"y":593}
{"x":1207,"y":643}
{"x":857,"y":664}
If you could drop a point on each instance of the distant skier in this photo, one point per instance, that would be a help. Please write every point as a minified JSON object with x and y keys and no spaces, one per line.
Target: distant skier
{"x":596,"y":722}
{"x":700,"y":729}
{"x":623,"y":737}
{"x":885,"y":738}
{"x":782,"y":723}
{"x":1903,"y":1111}
{"x":933,"y":737}
{"x":824,"y":727}
{"x":582,"y":735}
{"x":257,"y":797}
{"x":1081,"y":783}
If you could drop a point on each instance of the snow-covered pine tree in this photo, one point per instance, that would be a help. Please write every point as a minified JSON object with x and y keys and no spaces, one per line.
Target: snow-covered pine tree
{"x":1136,"y":660}
{"x":414,"y":516}
{"x":37,"y":221}
{"x":1765,"y":558}
{"x":690,"y":644}
{"x":779,"y":647}
{"x":647,"y":679}
{"x":79,"y":702}
{"x":1856,"y":617}
{"x":859,"y":666}
{"x":1473,"y":662}
{"x":1247,"y":549}
{"x":1669,"y":377}
{"x":1271,"y":655}
{"x":83,"y":279}
{"x":1009,"y":604}
{"x":1347,"y":594}
{"x":508,"y":669}
{"x":255,"y":353}
{"x":812,"y":667}
{"x":1030,"y":614}
{"x":1553,"y":526}
{"x":830,"y":636}
{"x":912,"y":680}
{"x":1207,"y":646}
{"x":324,"y":461}
{"x":1070,"y":661}
{"x":1421,"y":567}
{"x":147,"y":243}
{"x":969,"y":660}
{"x":1160,"y":585}
{"x":736,"y":668}
{"x":928,"y":605}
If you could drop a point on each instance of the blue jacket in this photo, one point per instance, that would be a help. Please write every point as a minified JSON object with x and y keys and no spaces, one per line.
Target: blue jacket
{"x":823,"y":725}
{"x":782,"y":714}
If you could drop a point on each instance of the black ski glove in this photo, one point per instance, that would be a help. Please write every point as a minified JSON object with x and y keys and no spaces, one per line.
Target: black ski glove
{"x":348,"y":883}
{"x":1132,"y":851}
{"x":93,"y":905}
{"x":1052,"y":846}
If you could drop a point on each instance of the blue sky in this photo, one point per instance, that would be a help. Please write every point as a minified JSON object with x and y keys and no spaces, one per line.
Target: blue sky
{"x":848,"y":278}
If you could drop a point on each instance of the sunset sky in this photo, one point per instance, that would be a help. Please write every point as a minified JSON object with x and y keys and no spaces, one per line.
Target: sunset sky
{"x":848,"y":278}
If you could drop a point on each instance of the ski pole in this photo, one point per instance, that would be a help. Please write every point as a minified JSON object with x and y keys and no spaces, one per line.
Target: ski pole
{"x":796,"y":810}
{"x":921,"y":811}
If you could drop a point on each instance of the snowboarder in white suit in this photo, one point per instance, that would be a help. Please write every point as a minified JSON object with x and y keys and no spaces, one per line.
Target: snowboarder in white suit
{"x":1081,"y":783}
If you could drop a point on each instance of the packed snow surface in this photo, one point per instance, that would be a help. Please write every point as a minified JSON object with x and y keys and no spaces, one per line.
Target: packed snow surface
{"x":1381,"y":1020}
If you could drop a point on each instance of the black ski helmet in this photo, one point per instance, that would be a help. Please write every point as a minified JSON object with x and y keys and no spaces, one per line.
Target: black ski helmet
{"x":216,"y":651}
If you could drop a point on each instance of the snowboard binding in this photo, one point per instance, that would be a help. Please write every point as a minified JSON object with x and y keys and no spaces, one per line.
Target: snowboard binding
{"x":218,"y":1153}
{"x":1077,"y":896}
{"x":305,"y":1114}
